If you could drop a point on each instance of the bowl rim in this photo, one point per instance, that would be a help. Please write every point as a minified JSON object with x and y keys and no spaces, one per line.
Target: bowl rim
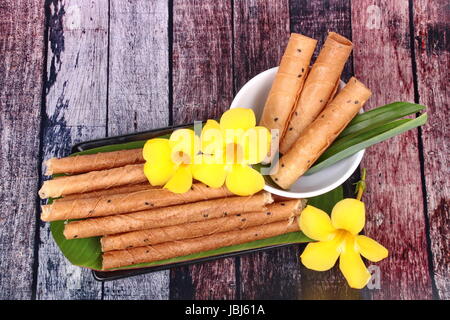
{"x":291,"y":194}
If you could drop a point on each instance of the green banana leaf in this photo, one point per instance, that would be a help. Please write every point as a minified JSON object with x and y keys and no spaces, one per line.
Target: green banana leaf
{"x":87,"y":252}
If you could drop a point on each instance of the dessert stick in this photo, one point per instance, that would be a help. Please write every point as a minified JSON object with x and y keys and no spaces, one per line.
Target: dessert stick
{"x":323,"y":80}
{"x":166,"y":216}
{"x":92,"y":181}
{"x":321,"y":133}
{"x":167,"y":250}
{"x":274,"y":212}
{"x":93,"y":162}
{"x":128,"y":202}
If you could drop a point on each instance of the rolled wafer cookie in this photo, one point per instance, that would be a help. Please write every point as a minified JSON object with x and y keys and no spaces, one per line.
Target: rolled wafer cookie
{"x":319,"y":87}
{"x":166,"y":216}
{"x":167,"y":250}
{"x":92,"y":181}
{"x":274,"y":212}
{"x":93,"y":162}
{"x":321,"y":133}
{"x":128,"y":202}
{"x":106,"y":192}
{"x":288,"y":82}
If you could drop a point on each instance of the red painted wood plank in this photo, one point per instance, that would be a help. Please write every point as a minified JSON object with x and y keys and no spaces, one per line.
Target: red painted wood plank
{"x":21,"y":67}
{"x":431,"y":25}
{"x":316,"y":19}
{"x":394,"y":202}
{"x":261,"y":32}
{"x":202,"y":88}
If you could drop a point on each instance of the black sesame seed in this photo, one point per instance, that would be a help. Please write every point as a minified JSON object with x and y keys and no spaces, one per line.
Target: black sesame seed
{"x":356,"y":102}
{"x":299,"y":50}
{"x":296,"y":113}
{"x":276,"y":179}
{"x":269,"y":213}
{"x":109,"y":201}
{"x":205,"y":215}
{"x":276,"y":119}
{"x":283,"y":204}
{"x":299,"y":76}
{"x":75,"y":236}
{"x":243,"y":219}
{"x":303,"y":69}
{"x":290,"y":129}
{"x":321,"y":100}
{"x":282,"y":165}
{"x":238,"y":214}
{"x":146,"y":203}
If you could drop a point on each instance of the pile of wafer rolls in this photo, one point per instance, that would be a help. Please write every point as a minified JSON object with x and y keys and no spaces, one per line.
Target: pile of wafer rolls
{"x":309,"y":113}
{"x":107,"y":195}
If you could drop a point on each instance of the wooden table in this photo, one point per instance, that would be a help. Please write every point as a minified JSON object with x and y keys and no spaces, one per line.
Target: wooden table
{"x":75,"y":70}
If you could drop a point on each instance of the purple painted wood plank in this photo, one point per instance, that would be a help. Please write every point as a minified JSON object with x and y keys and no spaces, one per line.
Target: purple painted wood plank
{"x":431,"y":25}
{"x":394,"y":199}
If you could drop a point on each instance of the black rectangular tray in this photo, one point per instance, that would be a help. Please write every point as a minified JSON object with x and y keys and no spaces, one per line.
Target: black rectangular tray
{"x":145,"y":135}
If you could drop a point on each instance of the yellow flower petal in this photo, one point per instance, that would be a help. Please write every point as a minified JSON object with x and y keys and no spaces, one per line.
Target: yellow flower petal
{"x":352,"y":266}
{"x":184,"y":145}
{"x":322,"y":255}
{"x":181,"y":181}
{"x":208,"y":172}
{"x":244,"y":181}
{"x":238,"y":118}
{"x":316,"y":224}
{"x":212,"y":140}
{"x":256,"y":144}
{"x":349,"y":214}
{"x":157,"y":150}
{"x":370,"y":249}
{"x":159,"y":173}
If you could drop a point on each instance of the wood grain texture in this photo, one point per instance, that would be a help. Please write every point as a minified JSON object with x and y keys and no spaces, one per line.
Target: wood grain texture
{"x":261,"y":32}
{"x":75,"y":101}
{"x":202,"y":88}
{"x":138,"y":101}
{"x":21,"y":67}
{"x":138,"y":66}
{"x":202,"y":59}
{"x":315,"y":19}
{"x":395,"y":212}
{"x":432,"y":54}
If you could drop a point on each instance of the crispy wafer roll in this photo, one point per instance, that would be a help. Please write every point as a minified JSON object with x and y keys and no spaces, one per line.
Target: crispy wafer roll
{"x":166,"y":250}
{"x":92,"y":181}
{"x":275,"y":212}
{"x":94,"y":162}
{"x":106,"y":192}
{"x":166,"y":216}
{"x":318,"y":88}
{"x":321,"y":133}
{"x":288,"y":82}
{"x":128,"y":202}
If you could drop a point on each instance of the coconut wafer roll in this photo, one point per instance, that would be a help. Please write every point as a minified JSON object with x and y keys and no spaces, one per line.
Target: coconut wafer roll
{"x":319,"y":87}
{"x":288,"y":82}
{"x":275,"y":212}
{"x":128,"y":202}
{"x":106,"y":192}
{"x":166,"y":216}
{"x":321,"y":133}
{"x":167,"y":250}
{"x":93,"y":162}
{"x":92,"y":181}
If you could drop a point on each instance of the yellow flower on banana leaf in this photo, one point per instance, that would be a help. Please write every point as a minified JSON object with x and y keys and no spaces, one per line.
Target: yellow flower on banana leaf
{"x":169,"y":162}
{"x":339,"y":237}
{"x":229,"y":148}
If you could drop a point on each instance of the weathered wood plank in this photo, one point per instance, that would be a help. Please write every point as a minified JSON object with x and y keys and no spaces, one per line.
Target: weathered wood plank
{"x":432,"y":48}
{"x":75,"y":111}
{"x":261,"y":32}
{"x":138,"y":100}
{"x":395,"y":212}
{"x":315,"y":19}
{"x":202,"y":88}
{"x":21,"y":67}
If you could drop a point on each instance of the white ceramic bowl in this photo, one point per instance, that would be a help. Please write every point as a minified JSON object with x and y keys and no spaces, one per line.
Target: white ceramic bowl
{"x":253,"y":95}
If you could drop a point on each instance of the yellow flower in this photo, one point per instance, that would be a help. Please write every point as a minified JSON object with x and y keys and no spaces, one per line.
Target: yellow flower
{"x":229,"y":148}
{"x":169,"y":162}
{"x":338,"y":238}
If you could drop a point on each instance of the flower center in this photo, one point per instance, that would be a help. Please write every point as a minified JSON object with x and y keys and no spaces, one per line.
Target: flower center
{"x":180,"y":157}
{"x":234,"y":153}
